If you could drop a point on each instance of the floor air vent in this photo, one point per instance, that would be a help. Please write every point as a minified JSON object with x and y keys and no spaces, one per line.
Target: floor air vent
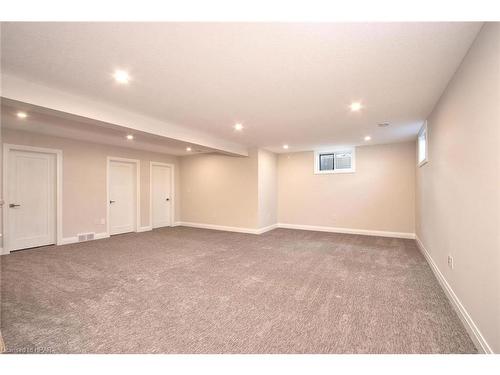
{"x":86,"y":237}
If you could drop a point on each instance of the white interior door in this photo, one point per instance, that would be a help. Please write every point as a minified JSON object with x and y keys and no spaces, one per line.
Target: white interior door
{"x":122,"y":197}
{"x":161,"y":196}
{"x":31,"y":194}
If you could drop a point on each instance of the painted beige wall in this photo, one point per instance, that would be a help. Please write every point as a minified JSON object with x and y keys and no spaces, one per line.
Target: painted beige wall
{"x":380,"y":195}
{"x":458,"y":190}
{"x":1,"y":184}
{"x":84,"y":178}
{"x":220,"y":190}
{"x":268,"y":188}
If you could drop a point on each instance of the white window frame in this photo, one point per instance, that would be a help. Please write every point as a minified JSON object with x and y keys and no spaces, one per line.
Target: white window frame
{"x":425,"y":132}
{"x":317,"y":153}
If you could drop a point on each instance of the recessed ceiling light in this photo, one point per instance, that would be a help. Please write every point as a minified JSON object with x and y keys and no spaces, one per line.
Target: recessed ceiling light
{"x":22,"y":114}
{"x":355,"y":106}
{"x":121,"y":76}
{"x":130,"y":137}
{"x":368,"y":138}
{"x":285,"y":147}
{"x":238,"y":127}
{"x":188,"y":149}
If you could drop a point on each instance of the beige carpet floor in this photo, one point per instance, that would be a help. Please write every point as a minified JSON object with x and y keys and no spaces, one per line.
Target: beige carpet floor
{"x":184,"y":290}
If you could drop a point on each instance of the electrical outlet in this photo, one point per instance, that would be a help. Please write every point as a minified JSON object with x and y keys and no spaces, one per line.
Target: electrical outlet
{"x":450,"y":261}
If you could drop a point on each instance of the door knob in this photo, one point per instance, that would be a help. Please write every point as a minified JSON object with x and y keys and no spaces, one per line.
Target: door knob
{"x":14,"y":205}
{"x":167,"y":199}
{"x":111,"y":202}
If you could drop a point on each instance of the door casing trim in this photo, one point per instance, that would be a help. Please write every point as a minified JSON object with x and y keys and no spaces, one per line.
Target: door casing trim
{"x":172,"y":191}
{"x":137,"y":163}
{"x":7,"y":147}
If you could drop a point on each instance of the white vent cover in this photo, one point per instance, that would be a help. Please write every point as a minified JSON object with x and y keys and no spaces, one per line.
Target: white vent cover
{"x":86,"y":236}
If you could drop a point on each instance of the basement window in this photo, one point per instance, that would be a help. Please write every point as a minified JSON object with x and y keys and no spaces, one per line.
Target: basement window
{"x":335,"y":161}
{"x":422,"y":144}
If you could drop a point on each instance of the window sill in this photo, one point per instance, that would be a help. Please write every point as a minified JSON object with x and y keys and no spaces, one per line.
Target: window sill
{"x":336,"y":172}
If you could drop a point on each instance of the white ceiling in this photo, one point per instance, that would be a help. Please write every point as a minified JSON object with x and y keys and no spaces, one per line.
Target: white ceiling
{"x":286,"y":82}
{"x":53,"y":123}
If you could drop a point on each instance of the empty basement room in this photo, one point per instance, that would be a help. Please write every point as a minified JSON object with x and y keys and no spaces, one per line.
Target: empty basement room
{"x":250,"y":188}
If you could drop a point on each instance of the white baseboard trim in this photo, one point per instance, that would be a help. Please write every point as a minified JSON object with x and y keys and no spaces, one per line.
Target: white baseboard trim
{"x":296,"y":226}
{"x":67,"y":241}
{"x":364,"y":232}
{"x":70,"y":240}
{"x":462,"y":313}
{"x":144,"y":229}
{"x":219,"y":227}
{"x":266,"y":229}
{"x":100,"y":236}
